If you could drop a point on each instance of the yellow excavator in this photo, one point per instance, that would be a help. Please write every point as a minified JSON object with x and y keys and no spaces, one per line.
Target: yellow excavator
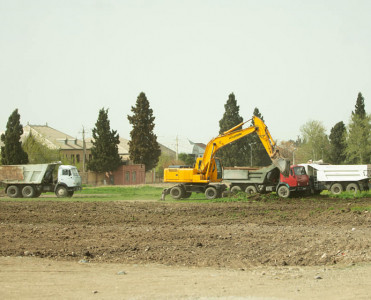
{"x":206,"y":175}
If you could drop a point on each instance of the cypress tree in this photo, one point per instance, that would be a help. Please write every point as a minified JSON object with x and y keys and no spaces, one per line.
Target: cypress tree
{"x":236,"y":153}
{"x":12,"y":152}
{"x":359,"y":134}
{"x":360,"y":107}
{"x":105,"y":156}
{"x":337,"y":137}
{"x":143,"y":146}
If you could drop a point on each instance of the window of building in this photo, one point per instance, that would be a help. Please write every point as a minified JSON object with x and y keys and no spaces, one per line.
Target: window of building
{"x":134,"y":176}
{"x":77,"y":158}
{"x":127,"y":177}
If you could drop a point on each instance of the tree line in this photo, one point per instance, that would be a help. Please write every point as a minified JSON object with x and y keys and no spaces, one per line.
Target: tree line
{"x":143,"y":146}
{"x":346,"y":144}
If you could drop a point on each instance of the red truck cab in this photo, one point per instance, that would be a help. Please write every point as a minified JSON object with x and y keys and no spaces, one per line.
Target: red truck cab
{"x":297,"y":181}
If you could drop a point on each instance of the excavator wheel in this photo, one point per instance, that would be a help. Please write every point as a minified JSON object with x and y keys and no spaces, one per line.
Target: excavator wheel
{"x":211,"y":193}
{"x":177,"y":192}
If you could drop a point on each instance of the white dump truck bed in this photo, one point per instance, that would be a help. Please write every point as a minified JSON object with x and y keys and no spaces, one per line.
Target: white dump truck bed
{"x":33,"y":173}
{"x":338,"y":172}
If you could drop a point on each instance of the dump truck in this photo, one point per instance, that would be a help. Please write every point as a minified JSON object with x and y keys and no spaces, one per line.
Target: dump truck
{"x":206,"y":175}
{"x":266,"y":180}
{"x":338,"y":178}
{"x":29,"y":181}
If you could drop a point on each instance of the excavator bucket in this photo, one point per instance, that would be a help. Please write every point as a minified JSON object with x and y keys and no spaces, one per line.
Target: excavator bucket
{"x":283,"y":165}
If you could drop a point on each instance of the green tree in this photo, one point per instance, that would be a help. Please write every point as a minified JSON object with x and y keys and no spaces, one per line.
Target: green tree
{"x":143,"y":146}
{"x":38,"y":153}
{"x":337,"y":150}
{"x":359,"y":142}
{"x":187,"y":159}
{"x":315,"y":141}
{"x":359,"y":134}
{"x":105,"y":156}
{"x":12,"y":152}
{"x":360,"y":107}
{"x":236,"y":153}
{"x":259,"y":154}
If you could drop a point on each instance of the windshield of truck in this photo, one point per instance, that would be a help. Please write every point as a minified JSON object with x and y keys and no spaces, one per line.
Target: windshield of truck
{"x":74,"y":172}
{"x":299,"y":171}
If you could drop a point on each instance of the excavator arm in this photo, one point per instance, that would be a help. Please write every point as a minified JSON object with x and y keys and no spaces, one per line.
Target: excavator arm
{"x":203,"y":165}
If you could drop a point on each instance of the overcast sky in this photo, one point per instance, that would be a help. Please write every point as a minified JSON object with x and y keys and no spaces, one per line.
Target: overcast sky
{"x":62,"y":61}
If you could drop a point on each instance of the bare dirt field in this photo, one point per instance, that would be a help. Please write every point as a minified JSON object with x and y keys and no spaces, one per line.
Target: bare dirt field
{"x":269,"y":249}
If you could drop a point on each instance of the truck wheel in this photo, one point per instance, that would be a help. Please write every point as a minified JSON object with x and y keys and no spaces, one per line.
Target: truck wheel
{"x":211,"y":193}
{"x":336,"y":188}
{"x":235,"y":189}
{"x":28,"y":191}
{"x":70,"y":194}
{"x":61,"y":192}
{"x":283,"y":191}
{"x":352,"y":187}
{"x":13,"y":191}
{"x":251,"y":190}
{"x":177,"y":192}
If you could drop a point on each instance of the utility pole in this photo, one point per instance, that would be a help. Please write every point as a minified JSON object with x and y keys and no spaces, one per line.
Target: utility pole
{"x":176,"y":147}
{"x":83,"y":149}
{"x":293,"y":156}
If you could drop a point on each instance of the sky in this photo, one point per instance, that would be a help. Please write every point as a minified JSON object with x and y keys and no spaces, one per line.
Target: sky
{"x":296,"y":61}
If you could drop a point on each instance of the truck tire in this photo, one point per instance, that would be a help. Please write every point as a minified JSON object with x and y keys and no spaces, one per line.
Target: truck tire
{"x":13,"y":191}
{"x":61,"y":192}
{"x":336,"y":188}
{"x":283,"y":191}
{"x":70,"y":193}
{"x":211,"y":193}
{"x":177,"y":192}
{"x":251,"y":190}
{"x":235,"y":189}
{"x":352,"y":187}
{"x":28,"y":191}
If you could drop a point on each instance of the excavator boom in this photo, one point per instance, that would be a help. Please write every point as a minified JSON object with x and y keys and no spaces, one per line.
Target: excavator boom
{"x":236,"y":133}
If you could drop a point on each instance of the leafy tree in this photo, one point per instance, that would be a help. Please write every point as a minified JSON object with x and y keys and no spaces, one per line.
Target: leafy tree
{"x":359,"y":134}
{"x":12,"y":152}
{"x":260,"y":155}
{"x":105,"y":156}
{"x":288,"y":149}
{"x":38,"y":153}
{"x":337,"y":151}
{"x":143,"y":146}
{"x":236,"y":153}
{"x":315,"y":141}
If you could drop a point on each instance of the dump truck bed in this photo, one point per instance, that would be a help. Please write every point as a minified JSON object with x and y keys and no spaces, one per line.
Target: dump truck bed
{"x":27,"y":174}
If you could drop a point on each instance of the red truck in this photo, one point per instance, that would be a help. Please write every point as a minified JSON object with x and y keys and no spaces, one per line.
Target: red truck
{"x":268,"y":179}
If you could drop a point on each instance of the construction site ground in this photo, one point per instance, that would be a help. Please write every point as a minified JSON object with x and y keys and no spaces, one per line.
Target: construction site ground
{"x":266,"y":248}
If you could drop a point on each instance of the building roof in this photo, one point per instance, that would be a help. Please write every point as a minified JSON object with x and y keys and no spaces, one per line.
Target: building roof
{"x":55,"y":139}
{"x":52,"y":138}
{"x":198,"y":148}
